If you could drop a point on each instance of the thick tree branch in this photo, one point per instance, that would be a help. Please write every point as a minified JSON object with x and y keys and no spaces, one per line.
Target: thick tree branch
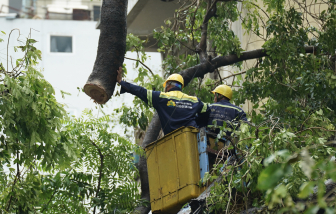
{"x":111,"y":51}
{"x":209,"y":66}
{"x":202,"y":46}
{"x":151,"y":135}
{"x":192,"y":26}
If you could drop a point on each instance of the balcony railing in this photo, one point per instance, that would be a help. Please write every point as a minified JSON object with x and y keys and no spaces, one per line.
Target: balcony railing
{"x":74,"y":14}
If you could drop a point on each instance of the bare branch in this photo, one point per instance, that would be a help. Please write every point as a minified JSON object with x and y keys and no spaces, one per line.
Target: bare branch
{"x":232,"y":75}
{"x":192,"y":25}
{"x":141,"y":64}
{"x":193,"y":50}
{"x":100,"y":170}
{"x":52,"y":196}
{"x":17,"y":178}
{"x":8,"y":43}
{"x":260,"y":9}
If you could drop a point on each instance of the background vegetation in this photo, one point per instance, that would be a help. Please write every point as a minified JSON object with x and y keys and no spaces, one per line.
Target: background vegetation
{"x":52,"y":163}
{"x":286,"y":153}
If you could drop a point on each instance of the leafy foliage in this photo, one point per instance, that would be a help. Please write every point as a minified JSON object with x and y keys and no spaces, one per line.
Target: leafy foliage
{"x":286,"y":150}
{"x":139,"y":115}
{"x":281,"y":165}
{"x":53,"y":163}
{"x":284,"y":154}
{"x":102,"y":175}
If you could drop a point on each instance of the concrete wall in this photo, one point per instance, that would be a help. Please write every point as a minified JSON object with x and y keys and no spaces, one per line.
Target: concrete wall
{"x":4,"y":9}
{"x":130,"y":5}
{"x":67,"y":71}
{"x":64,"y":6}
{"x":251,"y":41}
{"x":15,"y":5}
{"x":225,"y":71}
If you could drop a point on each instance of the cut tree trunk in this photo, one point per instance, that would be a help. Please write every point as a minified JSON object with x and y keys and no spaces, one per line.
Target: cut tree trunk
{"x":111,"y":51}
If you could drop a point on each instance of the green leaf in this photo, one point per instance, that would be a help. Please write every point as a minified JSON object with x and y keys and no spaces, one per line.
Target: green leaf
{"x":306,"y":189}
{"x":312,"y":210}
{"x":270,"y":176}
{"x":281,"y":191}
{"x":269,"y":159}
{"x":330,"y":210}
{"x":32,"y":41}
{"x":307,"y":163}
{"x":63,"y":93}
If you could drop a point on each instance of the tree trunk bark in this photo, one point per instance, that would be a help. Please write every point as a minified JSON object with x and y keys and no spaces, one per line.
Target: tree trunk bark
{"x":209,"y":66}
{"x":151,"y":135}
{"x":111,"y":51}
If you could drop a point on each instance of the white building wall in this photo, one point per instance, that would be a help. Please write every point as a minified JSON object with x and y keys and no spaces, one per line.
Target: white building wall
{"x":236,"y":27}
{"x":130,"y":5}
{"x":3,"y":6}
{"x":64,"y":6}
{"x":67,"y":71}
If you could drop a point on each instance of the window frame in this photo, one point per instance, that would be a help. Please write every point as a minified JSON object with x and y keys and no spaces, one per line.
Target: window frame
{"x":93,"y":15}
{"x":61,"y":35}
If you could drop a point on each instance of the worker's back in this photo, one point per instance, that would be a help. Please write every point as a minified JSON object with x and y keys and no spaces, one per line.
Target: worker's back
{"x":176,"y":109}
{"x":224,"y":111}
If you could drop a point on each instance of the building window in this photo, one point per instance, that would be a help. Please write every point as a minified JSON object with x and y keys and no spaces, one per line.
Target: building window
{"x":96,"y":13}
{"x":14,"y":6}
{"x":61,"y":44}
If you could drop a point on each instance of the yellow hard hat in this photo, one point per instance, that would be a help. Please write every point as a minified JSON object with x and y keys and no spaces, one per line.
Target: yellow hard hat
{"x":223,"y":90}
{"x":174,"y":77}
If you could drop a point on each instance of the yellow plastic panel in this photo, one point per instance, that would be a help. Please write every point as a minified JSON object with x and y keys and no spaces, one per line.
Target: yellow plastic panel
{"x":173,"y":170}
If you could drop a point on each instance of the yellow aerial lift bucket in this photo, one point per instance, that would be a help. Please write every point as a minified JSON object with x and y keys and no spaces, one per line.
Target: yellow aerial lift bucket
{"x":173,"y":170}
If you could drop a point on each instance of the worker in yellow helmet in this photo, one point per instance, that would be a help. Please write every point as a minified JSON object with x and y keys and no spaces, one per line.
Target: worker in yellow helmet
{"x":222,"y":111}
{"x":175,"y":109}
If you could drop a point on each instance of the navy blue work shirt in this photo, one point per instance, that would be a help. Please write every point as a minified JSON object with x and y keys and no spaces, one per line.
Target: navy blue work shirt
{"x":175,"y":109}
{"x":220,"y":112}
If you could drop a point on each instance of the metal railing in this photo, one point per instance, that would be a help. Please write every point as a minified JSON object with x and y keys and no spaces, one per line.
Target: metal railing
{"x":15,"y":9}
{"x":77,"y":14}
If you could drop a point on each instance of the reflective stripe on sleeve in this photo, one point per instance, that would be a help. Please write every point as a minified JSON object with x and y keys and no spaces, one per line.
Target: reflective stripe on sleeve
{"x":225,"y":106}
{"x":149,"y":97}
{"x":205,"y":106}
{"x":177,"y":98}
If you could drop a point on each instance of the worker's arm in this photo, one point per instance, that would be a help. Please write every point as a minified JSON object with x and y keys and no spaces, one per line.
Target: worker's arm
{"x":134,"y":89}
{"x":144,"y":94}
{"x":242,"y":116}
{"x":205,"y":108}
{"x":203,"y":115}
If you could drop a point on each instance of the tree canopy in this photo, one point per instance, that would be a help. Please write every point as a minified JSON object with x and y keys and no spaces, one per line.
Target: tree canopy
{"x":53,"y":163}
{"x":287,"y":148}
